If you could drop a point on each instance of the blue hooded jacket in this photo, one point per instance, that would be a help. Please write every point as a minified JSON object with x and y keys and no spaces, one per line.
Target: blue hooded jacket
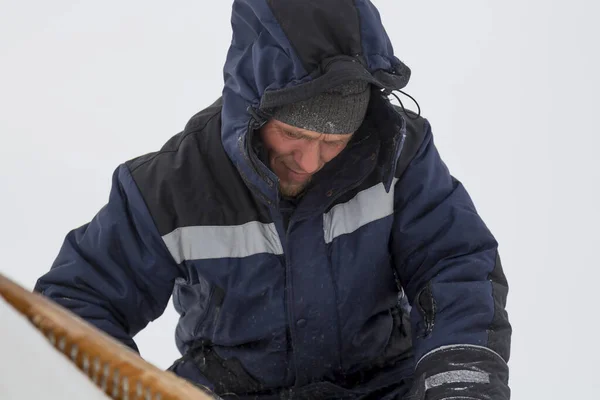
{"x":314,"y":302}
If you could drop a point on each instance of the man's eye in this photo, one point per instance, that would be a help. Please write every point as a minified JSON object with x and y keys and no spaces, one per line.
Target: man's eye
{"x":291,"y":135}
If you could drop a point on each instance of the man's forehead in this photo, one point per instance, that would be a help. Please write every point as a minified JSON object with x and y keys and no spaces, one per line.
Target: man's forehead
{"x":330,"y":137}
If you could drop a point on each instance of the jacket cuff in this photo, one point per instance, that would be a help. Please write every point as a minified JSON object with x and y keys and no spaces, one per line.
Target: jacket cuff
{"x":461,"y":372}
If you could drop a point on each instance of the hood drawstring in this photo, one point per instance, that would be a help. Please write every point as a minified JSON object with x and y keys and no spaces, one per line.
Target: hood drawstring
{"x":259,"y":117}
{"x":390,"y":92}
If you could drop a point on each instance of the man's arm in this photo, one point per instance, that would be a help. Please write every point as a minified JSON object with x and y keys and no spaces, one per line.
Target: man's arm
{"x":448,"y":263}
{"x":114,"y":272}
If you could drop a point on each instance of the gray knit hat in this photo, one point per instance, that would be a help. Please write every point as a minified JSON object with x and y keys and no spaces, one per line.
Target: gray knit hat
{"x":338,"y":110}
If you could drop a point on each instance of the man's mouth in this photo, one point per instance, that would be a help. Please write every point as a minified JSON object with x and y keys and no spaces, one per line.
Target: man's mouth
{"x":297,"y":176}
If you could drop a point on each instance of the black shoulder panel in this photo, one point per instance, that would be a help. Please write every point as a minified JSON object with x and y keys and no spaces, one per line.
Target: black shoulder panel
{"x":191,"y":180}
{"x":329,"y":28}
{"x":196,"y":123}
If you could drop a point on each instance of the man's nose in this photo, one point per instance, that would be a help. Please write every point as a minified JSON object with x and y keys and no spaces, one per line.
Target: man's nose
{"x":309,"y":158}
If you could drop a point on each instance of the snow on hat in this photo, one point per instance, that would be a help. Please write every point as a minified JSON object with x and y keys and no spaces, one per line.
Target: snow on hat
{"x":339,"y":110}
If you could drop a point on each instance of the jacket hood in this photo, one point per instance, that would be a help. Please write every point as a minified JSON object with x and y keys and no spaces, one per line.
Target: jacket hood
{"x":283,"y":51}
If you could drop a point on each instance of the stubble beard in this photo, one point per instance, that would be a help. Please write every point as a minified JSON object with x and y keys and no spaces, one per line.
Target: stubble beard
{"x":292,"y":189}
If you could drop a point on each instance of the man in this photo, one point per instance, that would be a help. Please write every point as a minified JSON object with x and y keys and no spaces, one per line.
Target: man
{"x":286,"y":219}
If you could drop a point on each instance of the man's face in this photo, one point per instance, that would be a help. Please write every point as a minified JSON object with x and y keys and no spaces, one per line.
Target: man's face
{"x":295,"y":154}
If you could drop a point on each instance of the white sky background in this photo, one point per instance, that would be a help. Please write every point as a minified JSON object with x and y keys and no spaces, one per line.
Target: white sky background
{"x":510,"y":88}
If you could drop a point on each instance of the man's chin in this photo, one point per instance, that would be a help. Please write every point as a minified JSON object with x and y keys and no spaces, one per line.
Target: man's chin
{"x":291,"y":189}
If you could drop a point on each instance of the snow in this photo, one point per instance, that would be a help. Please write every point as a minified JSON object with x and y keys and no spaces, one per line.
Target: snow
{"x":510,"y":87}
{"x":32,"y":368}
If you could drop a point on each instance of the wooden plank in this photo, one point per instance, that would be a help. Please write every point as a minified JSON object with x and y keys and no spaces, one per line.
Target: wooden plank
{"x":118,"y":370}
